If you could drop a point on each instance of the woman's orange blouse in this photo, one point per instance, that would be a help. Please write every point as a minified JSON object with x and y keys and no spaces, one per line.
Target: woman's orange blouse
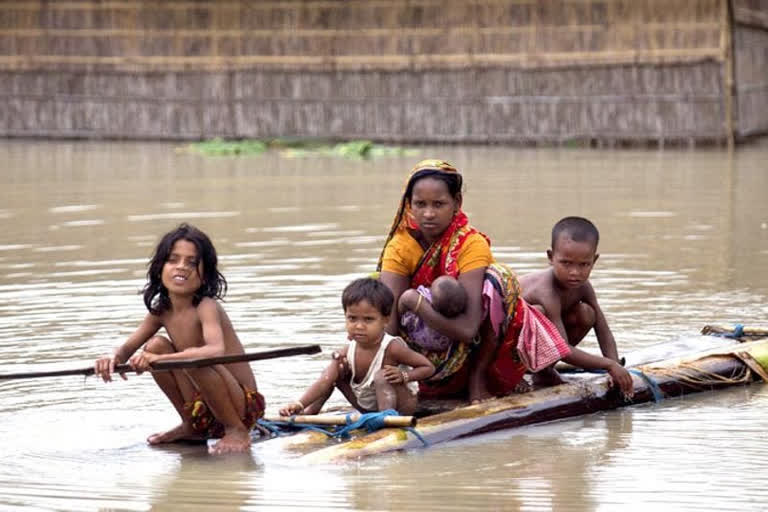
{"x":403,"y":253}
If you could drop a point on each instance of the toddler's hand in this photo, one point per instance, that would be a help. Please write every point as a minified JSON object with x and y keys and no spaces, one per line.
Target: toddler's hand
{"x":393,"y":374}
{"x":291,"y":409}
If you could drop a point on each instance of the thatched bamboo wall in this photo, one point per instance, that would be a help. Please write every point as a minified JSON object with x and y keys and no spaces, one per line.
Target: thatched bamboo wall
{"x":409,"y":70}
{"x":750,"y":40}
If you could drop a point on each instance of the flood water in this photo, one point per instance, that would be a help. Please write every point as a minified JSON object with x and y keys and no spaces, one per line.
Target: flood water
{"x":684,"y":243}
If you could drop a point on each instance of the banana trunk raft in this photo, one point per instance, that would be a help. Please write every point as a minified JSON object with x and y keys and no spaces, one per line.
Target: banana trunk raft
{"x":711,"y":363}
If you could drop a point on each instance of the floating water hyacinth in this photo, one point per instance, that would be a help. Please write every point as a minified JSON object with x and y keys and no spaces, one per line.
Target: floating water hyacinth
{"x":351,"y":149}
{"x":296,"y":148}
{"x":221,"y":147}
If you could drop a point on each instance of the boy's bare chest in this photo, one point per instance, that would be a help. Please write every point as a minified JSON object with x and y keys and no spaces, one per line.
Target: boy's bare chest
{"x":570,"y":297}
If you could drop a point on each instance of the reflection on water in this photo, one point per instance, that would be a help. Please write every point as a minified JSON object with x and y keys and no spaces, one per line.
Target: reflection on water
{"x":684,"y":242}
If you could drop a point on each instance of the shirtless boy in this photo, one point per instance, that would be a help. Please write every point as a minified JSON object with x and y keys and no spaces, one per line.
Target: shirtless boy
{"x":183,"y":285}
{"x":563,"y":292}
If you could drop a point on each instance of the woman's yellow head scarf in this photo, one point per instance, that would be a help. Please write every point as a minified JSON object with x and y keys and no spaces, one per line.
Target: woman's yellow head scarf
{"x":404,"y":217}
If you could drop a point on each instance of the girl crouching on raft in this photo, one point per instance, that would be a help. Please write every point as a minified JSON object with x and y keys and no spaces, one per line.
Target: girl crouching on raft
{"x":181,"y":295}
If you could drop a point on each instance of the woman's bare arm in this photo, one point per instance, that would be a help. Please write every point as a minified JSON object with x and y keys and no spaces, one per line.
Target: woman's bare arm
{"x":397,"y":284}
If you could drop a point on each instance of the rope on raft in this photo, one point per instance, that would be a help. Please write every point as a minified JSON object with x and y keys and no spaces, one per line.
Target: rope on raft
{"x":738,"y":331}
{"x":658,"y":394}
{"x":694,"y":376}
{"x":371,"y":421}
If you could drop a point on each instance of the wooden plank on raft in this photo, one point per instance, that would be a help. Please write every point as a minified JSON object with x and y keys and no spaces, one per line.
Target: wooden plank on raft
{"x":341,"y":419}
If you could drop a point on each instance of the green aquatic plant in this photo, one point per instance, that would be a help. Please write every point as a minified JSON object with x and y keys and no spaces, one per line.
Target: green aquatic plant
{"x":350,"y":149}
{"x":296,"y":148}
{"x":221,"y":147}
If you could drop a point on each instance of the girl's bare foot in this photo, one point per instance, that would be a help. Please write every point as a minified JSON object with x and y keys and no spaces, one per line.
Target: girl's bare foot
{"x":181,"y":432}
{"x":234,"y":441}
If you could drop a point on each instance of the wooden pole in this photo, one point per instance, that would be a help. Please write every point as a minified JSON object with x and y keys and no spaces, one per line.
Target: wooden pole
{"x":726,"y":46}
{"x":176,"y":365}
{"x":341,"y":419}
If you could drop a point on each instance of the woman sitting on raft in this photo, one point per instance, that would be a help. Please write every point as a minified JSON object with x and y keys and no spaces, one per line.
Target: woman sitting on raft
{"x":431,"y":237}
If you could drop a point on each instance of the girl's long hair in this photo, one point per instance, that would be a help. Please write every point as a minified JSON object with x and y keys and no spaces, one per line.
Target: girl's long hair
{"x":213,"y":283}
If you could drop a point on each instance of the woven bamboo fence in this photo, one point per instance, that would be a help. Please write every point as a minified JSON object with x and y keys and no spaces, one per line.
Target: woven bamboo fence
{"x":750,"y":41}
{"x":401,"y":70}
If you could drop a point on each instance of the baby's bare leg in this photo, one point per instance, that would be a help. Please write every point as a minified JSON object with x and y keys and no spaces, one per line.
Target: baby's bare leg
{"x":178,"y":388}
{"x":578,"y":321}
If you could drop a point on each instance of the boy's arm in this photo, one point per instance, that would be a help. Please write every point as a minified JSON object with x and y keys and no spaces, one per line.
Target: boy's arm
{"x":400,"y":353}
{"x":618,"y":373}
{"x":105,"y":366}
{"x":397,"y":284}
{"x":552,"y":310}
{"x":604,"y":335}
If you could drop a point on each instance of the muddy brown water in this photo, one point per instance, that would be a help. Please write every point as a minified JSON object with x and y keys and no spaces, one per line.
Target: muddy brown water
{"x":684,"y":242}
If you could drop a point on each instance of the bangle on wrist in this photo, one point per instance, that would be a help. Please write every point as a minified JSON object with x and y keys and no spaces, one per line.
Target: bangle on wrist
{"x":405,"y":376}
{"x":418,"y":303}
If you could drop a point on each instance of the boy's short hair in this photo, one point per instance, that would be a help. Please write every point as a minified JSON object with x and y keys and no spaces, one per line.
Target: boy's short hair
{"x":579,"y":229}
{"x":376,"y":293}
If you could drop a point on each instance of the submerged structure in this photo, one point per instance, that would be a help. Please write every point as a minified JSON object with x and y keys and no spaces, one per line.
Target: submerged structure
{"x":521,"y":71}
